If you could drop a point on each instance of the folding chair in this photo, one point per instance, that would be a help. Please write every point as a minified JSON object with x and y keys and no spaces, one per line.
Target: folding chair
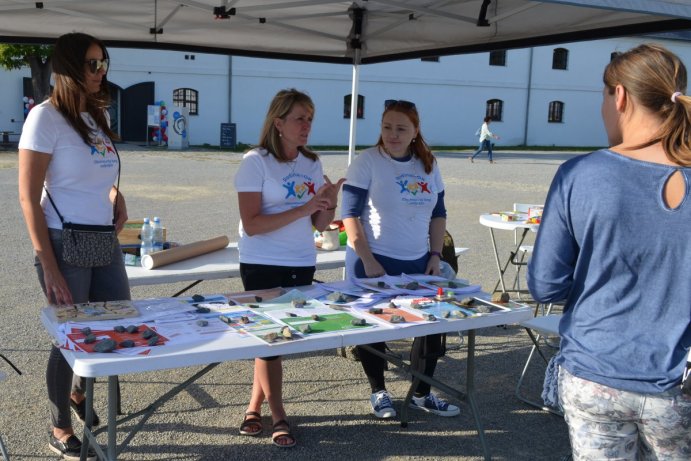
{"x":538,"y":327}
{"x":3,"y":449}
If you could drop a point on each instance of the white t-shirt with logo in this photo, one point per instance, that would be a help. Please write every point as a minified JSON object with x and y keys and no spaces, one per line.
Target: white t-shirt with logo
{"x":400,"y":201}
{"x":79,"y":176}
{"x":283,"y":185}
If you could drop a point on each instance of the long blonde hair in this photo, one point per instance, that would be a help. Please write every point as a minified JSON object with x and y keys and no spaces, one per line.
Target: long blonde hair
{"x":280,"y":107}
{"x":652,"y":74}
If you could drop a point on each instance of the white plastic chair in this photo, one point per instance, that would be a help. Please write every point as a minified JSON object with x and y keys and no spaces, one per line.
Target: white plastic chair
{"x":538,"y":327}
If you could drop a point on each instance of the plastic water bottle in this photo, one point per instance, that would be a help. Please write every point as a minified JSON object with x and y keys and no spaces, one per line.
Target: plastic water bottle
{"x":147,"y":238}
{"x":157,"y":234}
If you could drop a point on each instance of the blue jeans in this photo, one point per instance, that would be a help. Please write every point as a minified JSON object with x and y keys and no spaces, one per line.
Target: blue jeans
{"x":108,"y":283}
{"x":484,"y":145}
{"x":607,"y":423}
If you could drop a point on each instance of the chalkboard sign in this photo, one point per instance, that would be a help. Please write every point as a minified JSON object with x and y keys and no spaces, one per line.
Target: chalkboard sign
{"x":228,"y":135}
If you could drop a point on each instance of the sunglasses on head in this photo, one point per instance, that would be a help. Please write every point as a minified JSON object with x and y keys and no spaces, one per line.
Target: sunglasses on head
{"x":97,"y":64}
{"x":400,"y":103}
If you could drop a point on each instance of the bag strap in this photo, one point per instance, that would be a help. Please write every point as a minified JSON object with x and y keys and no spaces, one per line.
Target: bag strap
{"x":117,"y":191}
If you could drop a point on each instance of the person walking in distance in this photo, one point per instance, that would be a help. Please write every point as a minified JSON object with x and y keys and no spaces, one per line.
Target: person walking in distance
{"x":485,"y":140}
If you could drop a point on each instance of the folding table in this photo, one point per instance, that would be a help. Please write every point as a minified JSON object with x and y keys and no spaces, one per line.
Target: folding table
{"x":492,"y":222}
{"x":221,"y":264}
{"x":230,"y":347}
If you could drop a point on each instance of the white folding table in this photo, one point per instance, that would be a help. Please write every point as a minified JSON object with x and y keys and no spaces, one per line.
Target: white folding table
{"x":229,"y":347}
{"x":492,"y":222}
{"x":221,"y":264}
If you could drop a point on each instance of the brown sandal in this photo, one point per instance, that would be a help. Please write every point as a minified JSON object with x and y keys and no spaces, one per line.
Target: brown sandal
{"x":282,"y":431}
{"x":251,"y":424}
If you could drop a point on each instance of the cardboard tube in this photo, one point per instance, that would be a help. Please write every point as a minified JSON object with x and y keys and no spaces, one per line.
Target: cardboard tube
{"x":161,"y":258}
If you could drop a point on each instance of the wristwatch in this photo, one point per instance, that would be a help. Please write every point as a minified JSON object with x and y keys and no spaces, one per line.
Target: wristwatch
{"x":435,"y":253}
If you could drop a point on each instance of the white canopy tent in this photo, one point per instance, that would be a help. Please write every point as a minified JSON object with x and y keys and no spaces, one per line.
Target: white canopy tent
{"x":357,"y":32}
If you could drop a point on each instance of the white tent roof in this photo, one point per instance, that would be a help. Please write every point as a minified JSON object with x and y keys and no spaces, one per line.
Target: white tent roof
{"x":328,"y":30}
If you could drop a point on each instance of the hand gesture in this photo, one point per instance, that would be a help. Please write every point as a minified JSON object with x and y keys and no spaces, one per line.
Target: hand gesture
{"x":329,"y":191}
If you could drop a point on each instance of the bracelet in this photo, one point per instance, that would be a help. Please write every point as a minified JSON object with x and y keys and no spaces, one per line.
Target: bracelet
{"x":435,"y":253}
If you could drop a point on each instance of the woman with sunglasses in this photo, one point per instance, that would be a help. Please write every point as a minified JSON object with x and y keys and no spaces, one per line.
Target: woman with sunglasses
{"x":394,"y":214}
{"x":614,"y":245}
{"x":66,"y":150}
{"x":282,"y":193}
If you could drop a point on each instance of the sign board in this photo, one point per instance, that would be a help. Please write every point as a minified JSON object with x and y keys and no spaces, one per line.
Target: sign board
{"x":178,"y":127}
{"x":153,"y":115}
{"x":228,"y":135}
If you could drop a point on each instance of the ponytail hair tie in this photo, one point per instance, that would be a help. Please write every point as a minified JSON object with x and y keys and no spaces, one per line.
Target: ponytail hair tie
{"x":674,"y":96}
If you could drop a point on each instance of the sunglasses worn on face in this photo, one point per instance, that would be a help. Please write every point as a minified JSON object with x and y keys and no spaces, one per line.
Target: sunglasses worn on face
{"x":399,"y":102}
{"x":97,"y":64}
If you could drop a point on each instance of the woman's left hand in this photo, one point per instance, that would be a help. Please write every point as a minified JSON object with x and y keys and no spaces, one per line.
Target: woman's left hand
{"x":330,"y":191}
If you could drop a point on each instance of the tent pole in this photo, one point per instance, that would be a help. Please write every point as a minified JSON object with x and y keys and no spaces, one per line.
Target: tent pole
{"x":354,"y":95}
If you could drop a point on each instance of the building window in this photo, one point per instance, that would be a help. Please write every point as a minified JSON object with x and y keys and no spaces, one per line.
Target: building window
{"x":560,"y":58}
{"x":494,"y":109}
{"x":187,"y":97}
{"x":360,"y":106}
{"x":556,"y":112}
{"x":497,"y":58}
{"x":430,"y":59}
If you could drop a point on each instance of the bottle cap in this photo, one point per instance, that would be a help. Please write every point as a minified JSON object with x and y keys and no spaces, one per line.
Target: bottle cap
{"x":440,"y":291}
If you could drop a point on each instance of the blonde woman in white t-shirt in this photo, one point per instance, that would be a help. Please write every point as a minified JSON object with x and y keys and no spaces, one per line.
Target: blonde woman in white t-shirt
{"x":282,"y":193}
{"x":66,"y":149}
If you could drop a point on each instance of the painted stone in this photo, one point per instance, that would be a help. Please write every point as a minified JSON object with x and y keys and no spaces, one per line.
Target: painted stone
{"x":106,"y":345}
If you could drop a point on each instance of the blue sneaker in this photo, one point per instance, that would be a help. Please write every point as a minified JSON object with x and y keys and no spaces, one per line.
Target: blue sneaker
{"x":382,"y":405}
{"x":433,"y":404}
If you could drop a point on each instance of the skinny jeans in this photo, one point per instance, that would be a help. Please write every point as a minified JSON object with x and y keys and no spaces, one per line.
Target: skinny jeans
{"x":484,"y":145}
{"x":107,"y":283}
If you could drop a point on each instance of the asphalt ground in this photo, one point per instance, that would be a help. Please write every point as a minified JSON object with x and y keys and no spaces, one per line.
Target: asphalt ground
{"x":326,"y":396}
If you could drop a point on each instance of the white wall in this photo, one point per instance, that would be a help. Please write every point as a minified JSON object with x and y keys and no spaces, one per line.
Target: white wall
{"x":450,"y":95}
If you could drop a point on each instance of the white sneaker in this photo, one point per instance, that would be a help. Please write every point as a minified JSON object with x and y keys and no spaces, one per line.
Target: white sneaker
{"x":382,"y":405}
{"x":433,"y":404}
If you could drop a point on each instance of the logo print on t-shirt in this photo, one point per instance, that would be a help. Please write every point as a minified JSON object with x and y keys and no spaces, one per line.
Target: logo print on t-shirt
{"x":413,"y":187}
{"x":101,"y":145}
{"x":298,"y":189}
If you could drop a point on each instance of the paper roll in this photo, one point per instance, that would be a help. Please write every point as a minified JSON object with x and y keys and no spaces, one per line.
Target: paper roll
{"x":161,"y":258}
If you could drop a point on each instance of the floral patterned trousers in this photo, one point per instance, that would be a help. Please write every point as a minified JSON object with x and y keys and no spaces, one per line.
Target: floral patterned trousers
{"x":611,"y":424}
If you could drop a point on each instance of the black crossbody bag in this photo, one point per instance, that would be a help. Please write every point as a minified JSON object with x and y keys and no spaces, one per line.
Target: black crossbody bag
{"x":88,"y":245}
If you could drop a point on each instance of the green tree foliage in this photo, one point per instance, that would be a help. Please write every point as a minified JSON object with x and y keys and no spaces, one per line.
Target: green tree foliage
{"x":37,"y":58}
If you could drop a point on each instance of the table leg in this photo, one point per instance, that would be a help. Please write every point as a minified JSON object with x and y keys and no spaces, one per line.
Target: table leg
{"x":496,"y":260}
{"x":113,"y":384}
{"x":500,"y":268}
{"x":468,"y":396}
{"x":113,"y":411}
{"x":3,"y":451}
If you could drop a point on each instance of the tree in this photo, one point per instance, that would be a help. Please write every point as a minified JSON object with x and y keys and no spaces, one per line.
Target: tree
{"x":37,"y":58}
